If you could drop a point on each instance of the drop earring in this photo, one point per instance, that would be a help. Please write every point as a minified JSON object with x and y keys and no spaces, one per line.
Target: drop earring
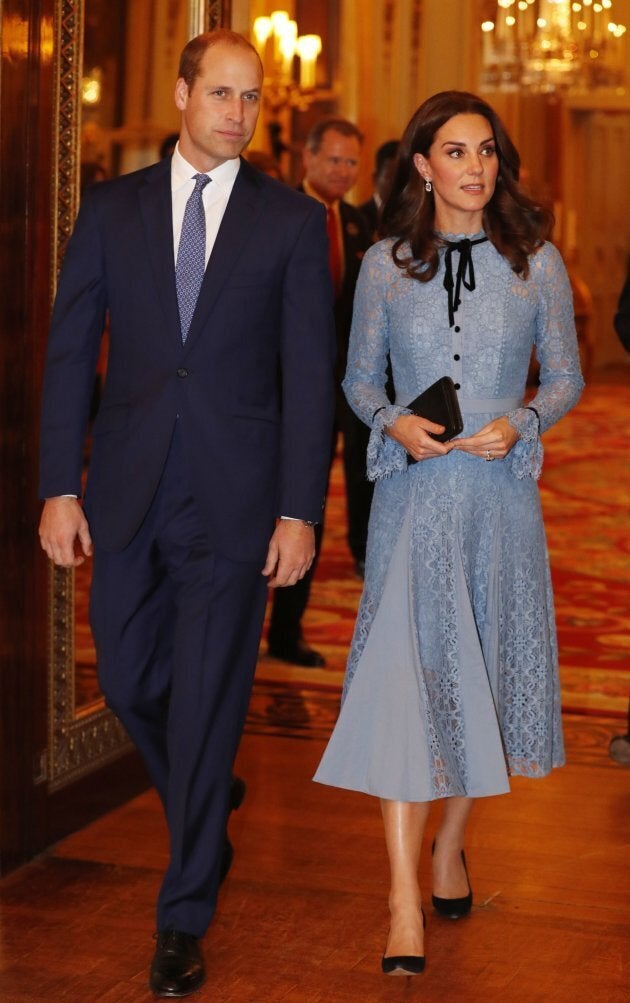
{"x":428,"y":187}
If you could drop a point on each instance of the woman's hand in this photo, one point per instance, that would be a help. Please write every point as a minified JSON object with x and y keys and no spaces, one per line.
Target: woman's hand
{"x":492,"y":442}
{"x":411,"y":431}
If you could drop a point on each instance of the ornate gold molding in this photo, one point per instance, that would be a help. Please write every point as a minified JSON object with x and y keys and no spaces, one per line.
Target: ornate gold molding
{"x":204,"y":15}
{"x":76,"y":744}
{"x":219,"y":14}
{"x":68,"y":59}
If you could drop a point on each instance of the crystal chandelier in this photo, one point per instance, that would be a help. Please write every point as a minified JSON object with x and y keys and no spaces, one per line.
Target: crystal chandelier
{"x":544,"y":45}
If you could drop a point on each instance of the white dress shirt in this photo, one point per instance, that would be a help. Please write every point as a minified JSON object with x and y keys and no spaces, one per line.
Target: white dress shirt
{"x":215,"y":195}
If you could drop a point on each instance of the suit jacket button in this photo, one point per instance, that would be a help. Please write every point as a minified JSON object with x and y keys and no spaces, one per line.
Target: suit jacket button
{"x":182,"y":373}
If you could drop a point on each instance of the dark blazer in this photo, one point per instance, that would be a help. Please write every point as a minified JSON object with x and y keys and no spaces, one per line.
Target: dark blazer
{"x":356,"y":240}
{"x":371,"y":216}
{"x":252,"y":388}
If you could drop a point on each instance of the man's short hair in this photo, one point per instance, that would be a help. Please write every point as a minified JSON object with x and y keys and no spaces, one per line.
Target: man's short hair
{"x":315,"y":137}
{"x":196,"y":48}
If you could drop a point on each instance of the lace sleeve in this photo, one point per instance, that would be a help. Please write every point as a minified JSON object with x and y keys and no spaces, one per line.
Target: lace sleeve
{"x":561,"y":380}
{"x":366,"y":374}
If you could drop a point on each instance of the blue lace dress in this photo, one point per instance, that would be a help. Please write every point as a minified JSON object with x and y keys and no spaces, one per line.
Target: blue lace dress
{"x":452,"y":678}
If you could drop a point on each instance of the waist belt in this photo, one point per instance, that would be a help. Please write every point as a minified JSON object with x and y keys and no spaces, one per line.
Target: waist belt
{"x":488,"y":405}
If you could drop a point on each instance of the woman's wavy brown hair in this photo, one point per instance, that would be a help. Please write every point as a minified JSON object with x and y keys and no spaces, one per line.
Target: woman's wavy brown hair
{"x":512,"y":221}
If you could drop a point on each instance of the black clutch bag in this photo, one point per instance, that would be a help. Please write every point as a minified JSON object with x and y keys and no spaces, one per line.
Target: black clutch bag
{"x":439,"y":403}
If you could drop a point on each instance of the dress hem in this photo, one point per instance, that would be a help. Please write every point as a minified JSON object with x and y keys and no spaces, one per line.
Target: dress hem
{"x":437,"y":797}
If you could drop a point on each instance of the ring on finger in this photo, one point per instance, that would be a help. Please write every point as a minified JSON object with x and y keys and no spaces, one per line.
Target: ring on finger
{"x":489,"y":457}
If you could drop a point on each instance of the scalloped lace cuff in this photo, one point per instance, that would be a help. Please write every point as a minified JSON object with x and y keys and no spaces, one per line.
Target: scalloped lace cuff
{"x":526,"y":456}
{"x":385,"y":456}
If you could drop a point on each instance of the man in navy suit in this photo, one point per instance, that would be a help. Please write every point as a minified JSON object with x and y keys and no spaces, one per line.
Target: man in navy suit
{"x":331,"y":168}
{"x":210,"y":450}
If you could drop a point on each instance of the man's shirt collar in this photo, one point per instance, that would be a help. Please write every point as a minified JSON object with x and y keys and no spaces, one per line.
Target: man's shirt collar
{"x":182,"y":172}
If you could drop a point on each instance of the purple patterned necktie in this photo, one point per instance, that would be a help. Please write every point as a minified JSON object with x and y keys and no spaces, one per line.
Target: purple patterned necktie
{"x":191,"y":255}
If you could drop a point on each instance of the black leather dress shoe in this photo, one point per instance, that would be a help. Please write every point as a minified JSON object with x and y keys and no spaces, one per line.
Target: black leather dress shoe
{"x":227,"y":858}
{"x":238,"y":788}
{"x":298,"y":654}
{"x":177,"y":968}
{"x":359,"y":567}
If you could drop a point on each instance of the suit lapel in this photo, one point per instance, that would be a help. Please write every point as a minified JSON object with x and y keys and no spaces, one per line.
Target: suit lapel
{"x":157,"y":216}
{"x":244,"y":205}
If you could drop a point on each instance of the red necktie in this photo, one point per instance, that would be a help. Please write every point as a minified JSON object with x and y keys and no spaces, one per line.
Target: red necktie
{"x":335,"y":251}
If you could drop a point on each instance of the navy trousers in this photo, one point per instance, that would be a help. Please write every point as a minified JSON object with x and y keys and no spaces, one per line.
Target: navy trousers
{"x":177,"y":627}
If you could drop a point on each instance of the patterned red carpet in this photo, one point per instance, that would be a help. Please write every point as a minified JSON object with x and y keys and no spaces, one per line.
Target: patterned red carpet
{"x":586,"y":494}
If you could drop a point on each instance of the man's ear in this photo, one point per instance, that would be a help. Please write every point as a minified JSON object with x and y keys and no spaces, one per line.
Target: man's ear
{"x":181,"y":93}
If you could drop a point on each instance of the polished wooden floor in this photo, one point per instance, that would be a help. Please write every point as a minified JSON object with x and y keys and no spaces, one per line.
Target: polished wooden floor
{"x":303,"y":916}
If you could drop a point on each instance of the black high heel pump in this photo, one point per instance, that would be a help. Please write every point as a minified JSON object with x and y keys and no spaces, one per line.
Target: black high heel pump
{"x":404,"y":964}
{"x":453,"y":908}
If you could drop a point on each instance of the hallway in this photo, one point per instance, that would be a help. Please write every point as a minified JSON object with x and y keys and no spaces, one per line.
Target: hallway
{"x":303,"y":914}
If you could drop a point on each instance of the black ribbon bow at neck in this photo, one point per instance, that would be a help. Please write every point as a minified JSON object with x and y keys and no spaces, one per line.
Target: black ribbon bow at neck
{"x":465,"y":272}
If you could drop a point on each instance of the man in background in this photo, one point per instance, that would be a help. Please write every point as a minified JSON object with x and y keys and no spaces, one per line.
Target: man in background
{"x":384,"y":161}
{"x":331,"y":166}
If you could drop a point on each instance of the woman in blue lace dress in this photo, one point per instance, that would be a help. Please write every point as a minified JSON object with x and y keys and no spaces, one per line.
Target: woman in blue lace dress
{"x":452,"y":679}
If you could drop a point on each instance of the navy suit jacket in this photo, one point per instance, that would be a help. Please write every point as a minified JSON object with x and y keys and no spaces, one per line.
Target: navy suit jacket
{"x":252,"y":388}
{"x":356,"y":240}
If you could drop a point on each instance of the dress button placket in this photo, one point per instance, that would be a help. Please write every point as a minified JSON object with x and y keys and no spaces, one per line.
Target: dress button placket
{"x":457,"y":341}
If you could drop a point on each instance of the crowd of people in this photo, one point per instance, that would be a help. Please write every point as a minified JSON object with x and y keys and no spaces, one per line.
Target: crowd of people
{"x":250,"y":326}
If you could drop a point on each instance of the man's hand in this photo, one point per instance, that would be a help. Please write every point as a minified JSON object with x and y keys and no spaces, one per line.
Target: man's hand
{"x":291,"y":552}
{"x":64,"y":532}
